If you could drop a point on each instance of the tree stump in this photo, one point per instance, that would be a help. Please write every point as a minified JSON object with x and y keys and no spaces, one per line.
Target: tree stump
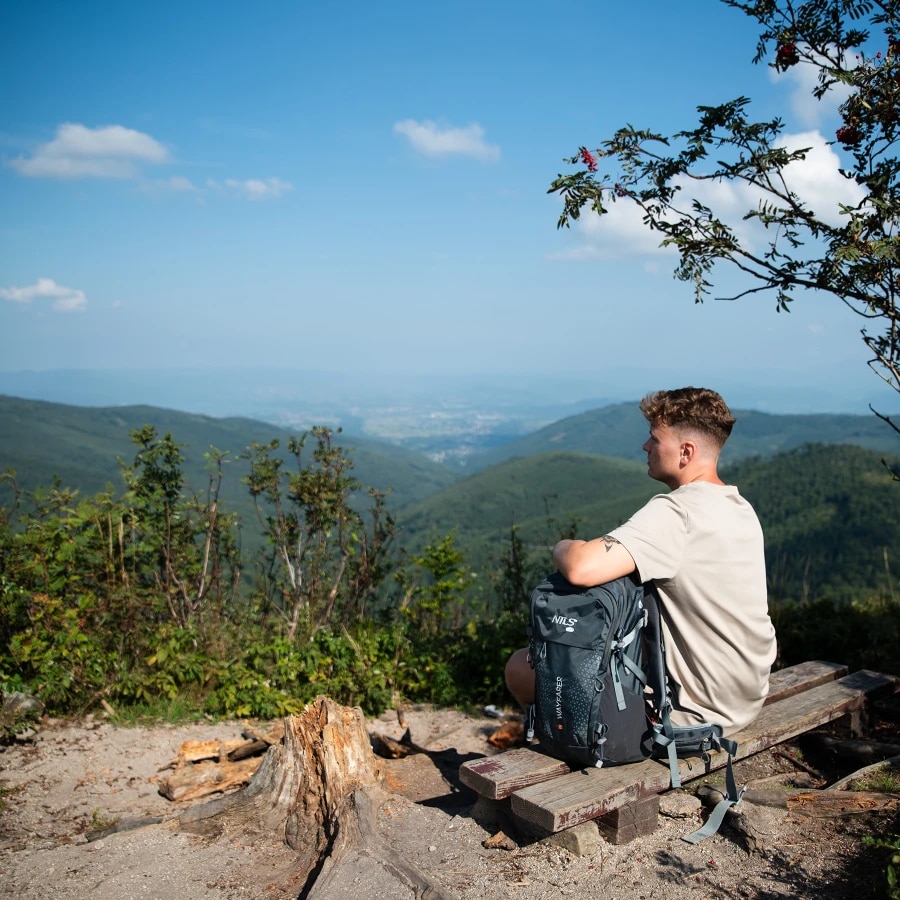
{"x":320,"y":788}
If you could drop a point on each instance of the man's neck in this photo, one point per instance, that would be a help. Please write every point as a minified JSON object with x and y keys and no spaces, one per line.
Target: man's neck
{"x":707,"y":476}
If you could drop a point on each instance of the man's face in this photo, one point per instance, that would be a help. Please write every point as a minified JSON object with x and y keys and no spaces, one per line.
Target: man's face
{"x":663,"y":449}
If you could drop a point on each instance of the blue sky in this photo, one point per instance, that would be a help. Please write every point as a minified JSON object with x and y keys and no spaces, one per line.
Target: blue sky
{"x":361,"y":187}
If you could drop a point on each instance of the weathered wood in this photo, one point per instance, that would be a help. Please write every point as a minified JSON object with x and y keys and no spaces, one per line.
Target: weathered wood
{"x":787,"y":780}
{"x":248,"y":748}
{"x":318,"y":790}
{"x":389,"y":748}
{"x":274,"y":735}
{"x":587,"y":794}
{"x":801,"y":677}
{"x":840,"y":803}
{"x":496,"y":777}
{"x":204,"y":778}
{"x":634,"y":820}
{"x":571,"y":799}
{"x":198,"y":751}
{"x":810,"y":802}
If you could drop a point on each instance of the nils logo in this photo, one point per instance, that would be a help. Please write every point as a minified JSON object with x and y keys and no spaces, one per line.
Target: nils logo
{"x":568,"y":624}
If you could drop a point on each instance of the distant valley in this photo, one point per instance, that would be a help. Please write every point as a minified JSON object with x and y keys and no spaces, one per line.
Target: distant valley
{"x":464,"y":422}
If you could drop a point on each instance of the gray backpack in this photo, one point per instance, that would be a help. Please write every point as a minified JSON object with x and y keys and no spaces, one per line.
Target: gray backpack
{"x":602,"y":693}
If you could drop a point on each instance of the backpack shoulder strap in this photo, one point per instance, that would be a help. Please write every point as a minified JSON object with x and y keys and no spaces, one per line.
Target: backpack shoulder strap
{"x":654,"y":649}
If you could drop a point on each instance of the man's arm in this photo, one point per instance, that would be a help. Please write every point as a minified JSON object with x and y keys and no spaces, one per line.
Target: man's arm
{"x":587,"y":563}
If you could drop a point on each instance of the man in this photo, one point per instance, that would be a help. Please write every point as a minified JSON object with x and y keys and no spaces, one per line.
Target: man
{"x":702,"y":546}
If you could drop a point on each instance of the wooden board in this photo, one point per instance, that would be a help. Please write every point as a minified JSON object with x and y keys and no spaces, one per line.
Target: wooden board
{"x":801,"y":677}
{"x":496,"y":777}
{"x":587,"y":794}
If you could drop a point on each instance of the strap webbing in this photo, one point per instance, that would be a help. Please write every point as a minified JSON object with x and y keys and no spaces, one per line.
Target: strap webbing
{"x":618,"y":657}
{"x":732,"y":796}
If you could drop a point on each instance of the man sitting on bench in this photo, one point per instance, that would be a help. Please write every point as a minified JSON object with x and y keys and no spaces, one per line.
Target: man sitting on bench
{"x":702,"y":546}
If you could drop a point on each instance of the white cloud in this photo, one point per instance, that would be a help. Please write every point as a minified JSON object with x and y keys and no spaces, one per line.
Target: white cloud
{"x":816,"y":180}
{"x":430,"y":139}
{"x":619,"y":233}
{"x":65,"y":299}
{"x":254,"y":188}
{"x":111,"y":151}
{"x":800,"y":80}
{"x":179,"y":183}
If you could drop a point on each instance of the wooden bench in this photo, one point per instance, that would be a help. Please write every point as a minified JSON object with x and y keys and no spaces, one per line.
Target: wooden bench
{"x":545,"y":797}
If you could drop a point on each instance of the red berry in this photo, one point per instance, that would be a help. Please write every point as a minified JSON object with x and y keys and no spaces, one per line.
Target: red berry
{"x":849,"y":135}
{"x":786,"y":56}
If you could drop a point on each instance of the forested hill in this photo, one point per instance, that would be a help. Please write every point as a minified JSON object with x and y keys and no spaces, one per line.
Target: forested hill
{"x":620,"y":430}
{"x":542,"y":495}
{"x":81,"y":445}
{"x":829,"y":514}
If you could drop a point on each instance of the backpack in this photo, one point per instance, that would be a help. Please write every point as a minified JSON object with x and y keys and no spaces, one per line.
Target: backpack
{"x":595,"y":653}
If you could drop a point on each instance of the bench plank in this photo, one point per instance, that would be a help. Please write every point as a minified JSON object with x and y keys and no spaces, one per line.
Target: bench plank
{"x":589,"y":793}
{"x":496,"y":777}
{"x":801,"y":677}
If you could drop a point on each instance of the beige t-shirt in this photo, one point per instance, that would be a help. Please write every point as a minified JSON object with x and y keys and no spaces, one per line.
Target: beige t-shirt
{"x":703,"y":547}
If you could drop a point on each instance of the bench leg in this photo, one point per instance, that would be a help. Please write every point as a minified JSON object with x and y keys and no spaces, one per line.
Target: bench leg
{"x":631,"y":821}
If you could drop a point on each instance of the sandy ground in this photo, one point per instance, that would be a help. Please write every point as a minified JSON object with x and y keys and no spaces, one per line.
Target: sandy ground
{"x":71,"y":780}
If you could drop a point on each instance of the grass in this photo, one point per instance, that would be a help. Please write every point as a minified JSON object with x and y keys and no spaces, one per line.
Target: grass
{"x":100,"y":820}
{"x":885,"y":780}
{"x":4,"y":793}
{"x":165,"y":711}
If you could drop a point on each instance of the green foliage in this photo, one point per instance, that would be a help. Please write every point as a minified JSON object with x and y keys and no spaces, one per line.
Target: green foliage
{"x":63,"y":656}
{"x":864,"y":633}
{"x":435,"y":586}
{"x":794,"y":247}
{"x":131,"y":599}
{"x":545,"y":496}
{"x":518,"y":574}
{"x":883,"y":780}
{"x":322,"y":564}
{"x":181,"y":544}
{"x":890,"y":843}
{"x":830,"y":522}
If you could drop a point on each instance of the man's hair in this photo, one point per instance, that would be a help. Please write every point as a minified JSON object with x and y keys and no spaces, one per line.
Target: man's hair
{"x":696,"y":408}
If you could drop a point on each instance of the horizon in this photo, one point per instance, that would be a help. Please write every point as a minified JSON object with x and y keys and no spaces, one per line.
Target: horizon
{"x":280,"y":395}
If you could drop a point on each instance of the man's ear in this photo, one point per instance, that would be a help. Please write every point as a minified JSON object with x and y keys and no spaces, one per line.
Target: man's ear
{"x":688,"y":451}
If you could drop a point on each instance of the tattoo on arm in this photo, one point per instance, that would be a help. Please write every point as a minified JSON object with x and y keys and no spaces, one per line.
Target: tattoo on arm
{"x":608,"y":542}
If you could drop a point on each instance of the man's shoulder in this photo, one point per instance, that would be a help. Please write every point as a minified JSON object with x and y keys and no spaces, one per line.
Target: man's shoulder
{"x":706,"y":492}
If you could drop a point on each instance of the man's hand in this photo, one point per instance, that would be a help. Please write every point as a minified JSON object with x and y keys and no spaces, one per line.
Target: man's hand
{"x":586,"y":563}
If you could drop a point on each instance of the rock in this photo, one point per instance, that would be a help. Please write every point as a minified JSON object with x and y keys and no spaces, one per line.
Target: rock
{"x":580,"y":840}
{"x":679,"y":805}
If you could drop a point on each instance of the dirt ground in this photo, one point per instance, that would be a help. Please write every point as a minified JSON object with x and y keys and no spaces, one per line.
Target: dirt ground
{"x":71,"y":779}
